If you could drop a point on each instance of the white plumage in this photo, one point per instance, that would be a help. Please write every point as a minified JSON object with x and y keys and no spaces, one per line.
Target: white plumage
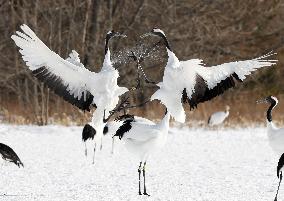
{"x":69,"y":78}
{"x":194,"y":83}
{"x":89,"y":134}
{"x":112,"y":126}
{"x":141,"y":134}
{"x":110,"y":129}
{"x":74,"y":76}
{"x":275,"y":135}
{"x":276,"y":138}
{"x":142,"y":137}
{"x":218,"y":117}
{"x":90,"y":139}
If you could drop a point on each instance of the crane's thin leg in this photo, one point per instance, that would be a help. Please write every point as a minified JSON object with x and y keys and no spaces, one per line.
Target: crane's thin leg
{"x":112,"y":146}
{"x":86,"y":152}
{"x":280,"y":179}
{"x":94,"y":153}
{"x":144,"y":169}
{"x":139,"y":174}
{"x":101,"y":147}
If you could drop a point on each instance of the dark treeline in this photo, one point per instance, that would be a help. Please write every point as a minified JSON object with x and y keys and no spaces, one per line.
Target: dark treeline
{"x":216,"y":31}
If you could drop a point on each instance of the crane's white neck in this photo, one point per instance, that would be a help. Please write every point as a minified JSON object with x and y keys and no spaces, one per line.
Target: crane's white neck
{"x":227,"y":113}
{"x":107,"y":64}
{"x":173,"y":61}
{"x":97,"y":118}
{"x":165,"y":123}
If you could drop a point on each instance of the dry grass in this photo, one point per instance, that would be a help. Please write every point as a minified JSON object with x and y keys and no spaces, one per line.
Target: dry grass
{"x":244,"y":112}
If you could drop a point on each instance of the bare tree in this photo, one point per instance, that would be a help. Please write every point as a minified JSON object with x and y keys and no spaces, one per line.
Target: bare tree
{"x":216,"y":31}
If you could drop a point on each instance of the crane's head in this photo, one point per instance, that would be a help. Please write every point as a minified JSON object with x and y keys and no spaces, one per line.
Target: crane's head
{"x":227,"y":107}
{"x":268,"y":99}
{"x":159,"y":33}
{"x":112,"y":34}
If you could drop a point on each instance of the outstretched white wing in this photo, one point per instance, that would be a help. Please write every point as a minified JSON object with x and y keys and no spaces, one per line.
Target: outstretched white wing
{"x":67,"y":78}
{"x":241,"y":69}
{"x":213,"y":81}
{"x":194,"y":83}
{"x":74,"y":59}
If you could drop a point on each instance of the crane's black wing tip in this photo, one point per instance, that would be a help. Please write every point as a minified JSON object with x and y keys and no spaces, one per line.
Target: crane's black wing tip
{"x":19,"y":164}
{"x":105,"y":131}
{"x":202,"y":93}
{"x":56,"y":84}
{"x":126,"y":126}
{"x":10,"y":155}
{"x":88,"y":132}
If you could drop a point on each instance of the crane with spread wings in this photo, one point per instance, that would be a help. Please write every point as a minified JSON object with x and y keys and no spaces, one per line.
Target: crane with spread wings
{"x":192,"y":82}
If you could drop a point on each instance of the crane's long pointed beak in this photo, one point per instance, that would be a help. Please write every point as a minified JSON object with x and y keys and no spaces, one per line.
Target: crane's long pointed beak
{"x":264,"y":100}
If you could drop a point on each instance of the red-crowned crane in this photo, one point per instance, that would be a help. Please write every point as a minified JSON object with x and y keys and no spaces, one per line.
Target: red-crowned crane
{"x":142,"y":137}
{"x":69,"y":78}
{"x":275,"y":135}
{"x":219,"y":117}
{"x":190,"y":81}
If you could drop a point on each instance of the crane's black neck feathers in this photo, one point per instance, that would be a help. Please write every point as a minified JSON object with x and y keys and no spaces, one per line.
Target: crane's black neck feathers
{"x":269,"y":111}
{"x":108,"y":37}
{"x":164,"y":39}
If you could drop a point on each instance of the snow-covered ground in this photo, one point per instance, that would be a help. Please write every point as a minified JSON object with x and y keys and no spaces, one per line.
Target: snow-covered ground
{"x":195,"y":164}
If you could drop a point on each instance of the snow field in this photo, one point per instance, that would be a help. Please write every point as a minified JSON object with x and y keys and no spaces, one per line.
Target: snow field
{"x":195,"y":164}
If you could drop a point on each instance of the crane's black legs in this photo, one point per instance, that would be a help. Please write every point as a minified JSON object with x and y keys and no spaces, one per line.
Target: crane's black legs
{"x":280,"y":179}
{"x":144,"y":170}
{"x":139,"y":174}
{"x":94,"y":153}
